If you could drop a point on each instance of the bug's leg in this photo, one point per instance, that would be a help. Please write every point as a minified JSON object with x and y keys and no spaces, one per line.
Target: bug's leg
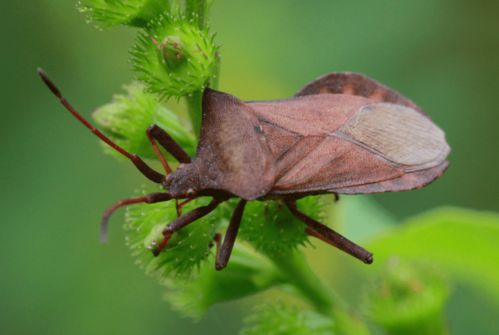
{"x":169,"y":144}
{"x":146,"y":170}
{"x":336,"y":197}
{"x":162,"y":160}
{"x":155,"y":133}
{"x":222,"y":256}
{"x":181,"y":205}
{"x":218,"y":243}
{"x":158,"y":153}
{"x":148,"y":199}
{"x":329,"y":236}
{"x":183,"y":221}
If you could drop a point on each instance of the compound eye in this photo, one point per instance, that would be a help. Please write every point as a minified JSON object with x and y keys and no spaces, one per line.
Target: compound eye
{"x":167,"y":181}
{"x":190,"y":193}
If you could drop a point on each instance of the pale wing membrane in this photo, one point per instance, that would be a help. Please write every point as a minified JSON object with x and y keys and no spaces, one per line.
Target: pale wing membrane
{"x":398,"y":133}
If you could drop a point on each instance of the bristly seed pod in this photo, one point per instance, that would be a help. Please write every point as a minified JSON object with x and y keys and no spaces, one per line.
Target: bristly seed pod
{"x":125,"y":118}
{"x":174,"y":57}
{"x":136,"y":13}
{"x":408,"y":294}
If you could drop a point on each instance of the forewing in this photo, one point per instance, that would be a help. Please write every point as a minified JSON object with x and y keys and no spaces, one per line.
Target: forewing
{"x":294,"y":127}
{"x":332,"y":164}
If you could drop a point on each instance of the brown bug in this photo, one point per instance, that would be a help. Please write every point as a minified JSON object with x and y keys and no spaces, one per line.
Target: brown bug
{"x":343,"y":133}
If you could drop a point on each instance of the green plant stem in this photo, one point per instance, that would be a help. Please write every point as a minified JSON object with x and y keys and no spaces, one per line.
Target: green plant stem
{"x":299,"y":274}
{"x":196,"y":10}
{"x":216,"y":79}
{"x":194,"y":102}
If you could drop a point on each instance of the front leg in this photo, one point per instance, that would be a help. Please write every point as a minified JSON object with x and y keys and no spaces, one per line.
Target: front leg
{"x":147,"y":199}
{"x":183,"y":221}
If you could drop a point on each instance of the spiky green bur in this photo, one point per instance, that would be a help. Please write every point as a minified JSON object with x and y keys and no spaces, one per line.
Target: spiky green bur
{"x":247,"y":273}
{"x":127,"y":117}
{"x":186,"y":249}
{"x":283,"y":319}
{"x":136,"y":13}
{"x":271,"y":228}
{"x":409,"y":299}
{"x":174,"y":57}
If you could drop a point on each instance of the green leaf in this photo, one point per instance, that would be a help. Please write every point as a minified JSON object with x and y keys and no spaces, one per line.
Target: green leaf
{"x":462,"y":242}
{"x":283,"y":319}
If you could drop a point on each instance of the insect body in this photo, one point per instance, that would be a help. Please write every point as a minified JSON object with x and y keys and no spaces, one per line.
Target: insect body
{"x":343,"y":133}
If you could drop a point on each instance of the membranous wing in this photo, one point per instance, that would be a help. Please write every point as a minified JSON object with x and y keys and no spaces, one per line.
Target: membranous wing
{"x":347,"y":143}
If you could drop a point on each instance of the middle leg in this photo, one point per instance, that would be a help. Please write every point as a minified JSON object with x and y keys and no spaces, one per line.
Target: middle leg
{"x":183,"y":221}
{"x":148,"y":199}
{"x":223,"y":253}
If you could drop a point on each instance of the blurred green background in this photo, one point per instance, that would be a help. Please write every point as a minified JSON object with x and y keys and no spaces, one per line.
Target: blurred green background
{"x":55,"y":276}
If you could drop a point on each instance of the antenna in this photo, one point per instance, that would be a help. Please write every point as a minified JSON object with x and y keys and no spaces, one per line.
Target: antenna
{"x":136,"y":160}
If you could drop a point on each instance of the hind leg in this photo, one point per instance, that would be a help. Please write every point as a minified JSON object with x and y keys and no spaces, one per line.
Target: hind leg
{"x":329,"y":236}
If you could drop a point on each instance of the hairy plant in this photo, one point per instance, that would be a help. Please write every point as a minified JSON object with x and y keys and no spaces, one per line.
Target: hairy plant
{"x":176,"y":57}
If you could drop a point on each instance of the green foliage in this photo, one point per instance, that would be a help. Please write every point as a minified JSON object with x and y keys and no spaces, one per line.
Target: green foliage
{"x":283,"y":319}
{"x":135,"y":13}
{"x":127,"y":117}
{"x":174,"y":57}
{"x":435,"y":235}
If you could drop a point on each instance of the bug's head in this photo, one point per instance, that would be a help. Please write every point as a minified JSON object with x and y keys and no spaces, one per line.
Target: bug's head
{"x":183,"y":182}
